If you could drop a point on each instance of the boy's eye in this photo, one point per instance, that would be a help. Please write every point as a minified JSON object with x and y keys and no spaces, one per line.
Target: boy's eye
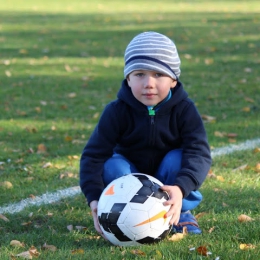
{"x":158,"y":75}
{"x":139,"y":74}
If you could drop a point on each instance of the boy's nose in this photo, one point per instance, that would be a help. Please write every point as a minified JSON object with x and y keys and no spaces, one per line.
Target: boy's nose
{"x":149,"y":82}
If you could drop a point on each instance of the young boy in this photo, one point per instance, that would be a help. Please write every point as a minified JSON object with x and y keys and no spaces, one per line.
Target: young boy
{"x":152,"y":128}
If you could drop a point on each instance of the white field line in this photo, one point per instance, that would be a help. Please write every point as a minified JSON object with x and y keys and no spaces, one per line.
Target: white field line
{"x":49,"y":198}
{"x":46,"y":198}
{"x":247,"y":145}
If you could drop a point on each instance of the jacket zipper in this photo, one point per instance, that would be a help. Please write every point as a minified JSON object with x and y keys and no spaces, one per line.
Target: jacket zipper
{"x":152,"y":114}
{"x":152,"y":122}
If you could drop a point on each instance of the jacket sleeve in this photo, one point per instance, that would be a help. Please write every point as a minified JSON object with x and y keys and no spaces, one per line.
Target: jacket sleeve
{"x":196,"y":158}
{"x":97,"y":150}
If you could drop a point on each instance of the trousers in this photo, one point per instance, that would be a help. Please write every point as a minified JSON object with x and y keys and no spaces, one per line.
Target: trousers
{"x":118,"y":165}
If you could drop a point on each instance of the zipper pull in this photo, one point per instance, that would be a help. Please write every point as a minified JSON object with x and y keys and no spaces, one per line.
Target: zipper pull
{"x":151,"y":112}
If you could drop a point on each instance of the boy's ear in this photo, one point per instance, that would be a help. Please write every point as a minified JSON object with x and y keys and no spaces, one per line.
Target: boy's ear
{"x":128,"y":81}
{"x":174,"y":83}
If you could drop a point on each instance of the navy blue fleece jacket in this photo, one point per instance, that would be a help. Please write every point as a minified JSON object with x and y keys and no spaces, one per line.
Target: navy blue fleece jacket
{"x":126,"y":127}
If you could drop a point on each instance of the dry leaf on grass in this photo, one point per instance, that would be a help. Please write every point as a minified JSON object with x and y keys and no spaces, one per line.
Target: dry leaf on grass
{"x":244,"y":218}
{"x":138,"y":252}
{"x":30,"y":254}
{"x":220,"y":178}
{"x":47,"y":165}
{"x":78,"y":251}
{"x":179,"y":236}
{"x":70,"y":227}
{"x":240,"y":168}
{"x":4,"y":218}
{"x":41,"y":148}
{"x":80,"y":228}
{"x":257,"y":167}
{"x":246,"y":246}
{"x":201,"y":214}
{"x":49,"y":247}
{"x":6,"y":185}
{"x":202,"y":250}
{"x":16,"y":243}
{"x":211,"y":229}
{"x":257,"y":150}
{"x":209,"y":119}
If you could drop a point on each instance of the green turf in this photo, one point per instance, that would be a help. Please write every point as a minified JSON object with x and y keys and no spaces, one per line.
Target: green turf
{"x":61,"y":62}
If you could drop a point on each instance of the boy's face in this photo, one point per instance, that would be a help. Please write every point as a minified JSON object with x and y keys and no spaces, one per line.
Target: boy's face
{"x":150,"y":87}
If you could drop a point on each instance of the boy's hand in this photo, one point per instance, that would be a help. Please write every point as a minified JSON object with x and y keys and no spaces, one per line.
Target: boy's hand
{"x":175,"y":201}
{"x":93,"y":206}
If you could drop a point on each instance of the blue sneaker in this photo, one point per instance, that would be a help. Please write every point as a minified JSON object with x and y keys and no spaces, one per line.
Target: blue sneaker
{"x":189,"y":221}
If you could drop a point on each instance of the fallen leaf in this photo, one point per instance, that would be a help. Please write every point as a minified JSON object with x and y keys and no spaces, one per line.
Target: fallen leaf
{"x":138,"y":252}
{"x":73,"y":157}
{"x":43,"y":103}
{"x":257,"y":150}
{"x":244,"y":218}
{"x":41,"y":148}
{"x":219,"y":134}
{"x":246,"y":109}
{"x":67,"y":68}
{"x":32,"y":252}
{"x":179,"y":236}
{"x":187,"y":56}
{"x":67,"y":175}
{"x":96,"y":115}
{"x":207,"y":118}
{"x":16,"y":243}
{"x":211,"y":175}
{"x":72,"y":95}
{"x":249,"y":100}
{"x":80,"y":228}
{"x":201,"y":214}
{"x":220,"y":178}
{"x":257,"y":167}
{"x":176,"y":237}
{"x":224,"y":204}
{"x":47,"y":165}
{"x":38,"y":109}
{"x":211,"y":229}
{"x":8,"y":73}
{"x":26,"y":223}
{"x":23,"y":51}
{"x":49,"y":247}
{"x":68,"y":138}
{"x":240,"y":168}
{"x":25,"y":255}
{"x":202,"y":250}
{"x":246,"y":246}
{"x":6,"y":185}
{"x":4,"y":218}
{"x":78,"y":251}
{"x":70,"y":227}
{"x":231,"y":135}
{"x":209,"y":61}
{"x":59,"y":166}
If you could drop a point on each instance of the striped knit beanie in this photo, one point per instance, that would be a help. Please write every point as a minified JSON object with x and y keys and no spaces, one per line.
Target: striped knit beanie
{"x":152,"y":51}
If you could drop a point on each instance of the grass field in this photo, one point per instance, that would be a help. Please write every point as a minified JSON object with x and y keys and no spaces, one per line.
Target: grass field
{"x":61,"y":62}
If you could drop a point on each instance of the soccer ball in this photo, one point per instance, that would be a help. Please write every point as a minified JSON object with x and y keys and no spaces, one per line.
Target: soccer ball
{"x":131,"y":211}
